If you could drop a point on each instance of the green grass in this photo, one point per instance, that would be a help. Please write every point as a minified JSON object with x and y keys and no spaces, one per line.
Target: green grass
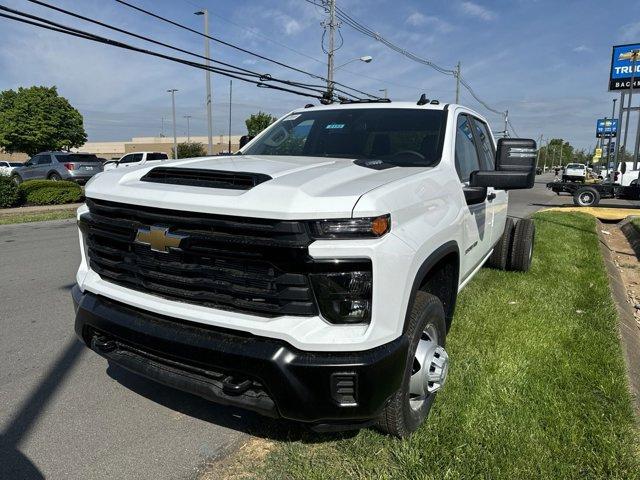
{"x":635,"y":221}
{"x":36,"y":217}
{"x":536,"y":388}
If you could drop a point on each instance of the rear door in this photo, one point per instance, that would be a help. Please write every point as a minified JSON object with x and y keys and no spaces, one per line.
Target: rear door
{"x":477,"y":217}
{"x":43,"y":166}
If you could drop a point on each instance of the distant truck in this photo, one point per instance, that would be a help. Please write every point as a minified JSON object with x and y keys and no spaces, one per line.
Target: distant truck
{"x":136,"y":159}
{"x":575,"y":172}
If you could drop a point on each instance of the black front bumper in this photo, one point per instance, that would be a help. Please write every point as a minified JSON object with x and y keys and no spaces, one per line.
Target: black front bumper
{"x":230,"y":367}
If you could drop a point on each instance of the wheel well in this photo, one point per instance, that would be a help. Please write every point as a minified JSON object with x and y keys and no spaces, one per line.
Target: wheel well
{"x":441,"y":280}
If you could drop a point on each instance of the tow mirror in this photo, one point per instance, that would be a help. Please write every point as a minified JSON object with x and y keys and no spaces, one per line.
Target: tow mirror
{"x":515,"y":166}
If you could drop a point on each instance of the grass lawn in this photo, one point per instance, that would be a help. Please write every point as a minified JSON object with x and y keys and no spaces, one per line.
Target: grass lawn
{"x":36,"y":217}
{"x":536,"y":387}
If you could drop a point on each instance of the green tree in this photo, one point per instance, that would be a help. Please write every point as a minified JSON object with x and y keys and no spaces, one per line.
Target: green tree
{"x":557,"y":152}
{"x":36,"y":118}
{"x":190,"y":150}
{"x":257,"y":122}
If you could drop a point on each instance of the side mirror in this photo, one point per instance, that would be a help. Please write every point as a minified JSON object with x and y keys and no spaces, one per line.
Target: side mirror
{"x":515,"y":166}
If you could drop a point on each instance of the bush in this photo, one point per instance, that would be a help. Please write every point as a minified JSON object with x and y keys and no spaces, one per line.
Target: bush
{"x":9,"y":192}
{"x":49,"y":192}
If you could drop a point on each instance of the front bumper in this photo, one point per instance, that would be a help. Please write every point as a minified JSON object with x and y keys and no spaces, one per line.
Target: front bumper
{"x":230,"y":367}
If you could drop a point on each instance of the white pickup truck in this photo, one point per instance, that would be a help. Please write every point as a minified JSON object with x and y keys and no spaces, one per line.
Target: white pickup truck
{"x":312,"y":277}
{"x":136,"y":159}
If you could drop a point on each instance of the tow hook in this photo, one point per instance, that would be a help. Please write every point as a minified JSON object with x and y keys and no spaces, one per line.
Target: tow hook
{"x":102,"y":344}
{"x":232,"y":386}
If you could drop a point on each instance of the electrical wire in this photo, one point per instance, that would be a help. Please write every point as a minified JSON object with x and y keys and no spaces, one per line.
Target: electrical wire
{"x":40,"y":22}
{"x":236,"y":47}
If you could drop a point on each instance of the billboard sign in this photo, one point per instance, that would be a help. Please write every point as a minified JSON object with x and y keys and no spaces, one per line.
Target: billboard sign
{"x":621,"y":66}
{"x":606,"y":127}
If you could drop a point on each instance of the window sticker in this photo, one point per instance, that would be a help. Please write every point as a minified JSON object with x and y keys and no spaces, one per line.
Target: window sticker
{"x":334,"y":126}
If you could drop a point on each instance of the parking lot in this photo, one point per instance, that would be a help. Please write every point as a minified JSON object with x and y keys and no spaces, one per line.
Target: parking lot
{"x":61,"y":412}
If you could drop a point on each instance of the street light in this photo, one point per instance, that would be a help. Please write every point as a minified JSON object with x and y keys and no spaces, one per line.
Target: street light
{"x":173,"y":108}
{"x":365,"y":59}
{"x":207,"y":54}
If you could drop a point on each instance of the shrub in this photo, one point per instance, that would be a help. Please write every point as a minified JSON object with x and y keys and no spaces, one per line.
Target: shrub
{"x":9,"y":192}
{"x":49,"y":192}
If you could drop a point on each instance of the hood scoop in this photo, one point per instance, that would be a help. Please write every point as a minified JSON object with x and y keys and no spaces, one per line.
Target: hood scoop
{"x":196,"y":177}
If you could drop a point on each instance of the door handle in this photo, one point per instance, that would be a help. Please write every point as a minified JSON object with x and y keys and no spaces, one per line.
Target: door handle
{"x":491,"y":196}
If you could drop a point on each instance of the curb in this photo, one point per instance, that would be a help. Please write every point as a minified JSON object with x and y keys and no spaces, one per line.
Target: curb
{"x":628,"y":331}
{"x":39,"y":209}
{"x":602,"y":213}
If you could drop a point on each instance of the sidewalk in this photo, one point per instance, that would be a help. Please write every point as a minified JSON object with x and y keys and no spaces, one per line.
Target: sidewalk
{"x":38,"y":209}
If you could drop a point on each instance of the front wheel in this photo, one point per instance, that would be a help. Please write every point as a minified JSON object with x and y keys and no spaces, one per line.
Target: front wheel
{"x":425,"y":371}
{"x":586,"y":197}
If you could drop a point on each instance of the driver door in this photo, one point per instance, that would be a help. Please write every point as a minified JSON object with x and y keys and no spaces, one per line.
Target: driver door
{"x":477,"y":215}
{"x":29,"y":170}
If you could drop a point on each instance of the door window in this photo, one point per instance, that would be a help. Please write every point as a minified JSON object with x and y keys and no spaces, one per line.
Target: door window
{"x":131,"y":158}
{"x":485,"y":145}
{"x":466,"y":156}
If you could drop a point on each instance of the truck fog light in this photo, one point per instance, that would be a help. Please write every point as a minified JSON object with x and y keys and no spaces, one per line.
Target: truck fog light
{"x":343,"y":297}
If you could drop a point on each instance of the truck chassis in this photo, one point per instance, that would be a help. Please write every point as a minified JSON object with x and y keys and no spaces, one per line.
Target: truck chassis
{"x":590,"y":194}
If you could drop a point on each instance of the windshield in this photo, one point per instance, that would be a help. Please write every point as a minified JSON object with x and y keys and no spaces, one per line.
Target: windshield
{"x":401,"y":136}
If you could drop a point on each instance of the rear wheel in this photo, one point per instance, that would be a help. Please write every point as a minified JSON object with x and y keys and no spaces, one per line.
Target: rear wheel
{"x":500,"y":256}
{"x":522,"y":248}
{"x":425,"y":370}
{"x":586,"y":197}
{"x":55,"y":176}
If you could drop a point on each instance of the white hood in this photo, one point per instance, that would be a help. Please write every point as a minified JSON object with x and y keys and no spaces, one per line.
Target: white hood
{"x":301,"y":187}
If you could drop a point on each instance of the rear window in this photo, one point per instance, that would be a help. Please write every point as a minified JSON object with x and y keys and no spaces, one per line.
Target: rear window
{"x":575,"y":165}
{"x":15,"y":164}
{"x":157,"y":156}
{"x":78,"y":157}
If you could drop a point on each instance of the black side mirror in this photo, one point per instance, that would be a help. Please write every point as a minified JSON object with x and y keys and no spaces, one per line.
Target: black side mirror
{"x":515,"y":166}
{"x":474,"y":195}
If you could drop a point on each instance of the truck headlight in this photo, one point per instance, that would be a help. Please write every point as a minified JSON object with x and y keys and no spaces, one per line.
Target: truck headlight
{"x":343,"y":297}
{"x":366,"y":227}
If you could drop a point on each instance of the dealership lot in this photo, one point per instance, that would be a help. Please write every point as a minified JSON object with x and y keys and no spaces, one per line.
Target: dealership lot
{"x":61,"y":412}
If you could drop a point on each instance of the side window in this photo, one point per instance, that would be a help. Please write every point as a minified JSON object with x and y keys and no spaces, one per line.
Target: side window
{"x":127,"y":159}
{"x":4,"y":164}
{"x":44,"y":159}
{"x":466,"y":154}
{"x":485,"y":145}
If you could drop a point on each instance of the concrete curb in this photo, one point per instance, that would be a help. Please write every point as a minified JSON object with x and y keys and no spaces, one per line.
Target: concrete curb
{"x":627,"y":328}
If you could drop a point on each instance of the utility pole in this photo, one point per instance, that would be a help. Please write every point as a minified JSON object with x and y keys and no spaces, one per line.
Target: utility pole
{"x":506,"y":122}
{"x":207,"y":54}
{"x":538,"y":155}
{"x":634,"y":58}
{"x":613,"y":116}
{"x":173,"y":109}
{"x":458,"y":83}
{"x":230,"y":98}
{"x":620,"y":112}
{"x":330,"y":51}
{"x":188,"y":117}
{"x":162,"y":128}
{"x":384,"y":91}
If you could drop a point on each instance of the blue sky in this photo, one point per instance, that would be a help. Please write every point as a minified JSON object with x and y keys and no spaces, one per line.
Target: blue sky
{"x":546,"y":61}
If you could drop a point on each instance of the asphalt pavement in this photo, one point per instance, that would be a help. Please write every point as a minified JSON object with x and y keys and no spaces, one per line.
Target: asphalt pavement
{"x":65,"y":414}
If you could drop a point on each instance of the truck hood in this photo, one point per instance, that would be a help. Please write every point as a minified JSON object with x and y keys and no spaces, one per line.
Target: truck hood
{"x":300,"y":187}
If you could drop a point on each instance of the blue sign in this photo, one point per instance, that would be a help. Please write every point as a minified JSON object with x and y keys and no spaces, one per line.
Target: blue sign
{"x":622,"y":66}
{"x":606,"y":127}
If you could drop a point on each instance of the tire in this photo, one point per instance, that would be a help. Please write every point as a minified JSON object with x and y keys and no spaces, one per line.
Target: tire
{"x":502,"y":250}
{"x":17,"y":179}
{"x":55,"y":177}
{"x":406,"y":411}
{"x":522,"y":248}
{"x":586,"y":197}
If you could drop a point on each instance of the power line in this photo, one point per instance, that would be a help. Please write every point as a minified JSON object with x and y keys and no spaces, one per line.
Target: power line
{"x":236,"y":47}
{"x":53,"y":26}
{"x":237,"y":70}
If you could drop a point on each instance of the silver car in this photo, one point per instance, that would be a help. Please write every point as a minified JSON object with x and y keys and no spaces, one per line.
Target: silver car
{"x":78,"y":167}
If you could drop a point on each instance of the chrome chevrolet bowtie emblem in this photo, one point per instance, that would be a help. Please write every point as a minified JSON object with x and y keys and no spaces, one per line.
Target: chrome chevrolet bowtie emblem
{"x":158,"y":238}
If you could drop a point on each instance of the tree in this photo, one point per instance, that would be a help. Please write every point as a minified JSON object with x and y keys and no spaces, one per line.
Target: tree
{"x":35,"y":119}
{"x":258,"y":122}
{"x":554,"y":154}
{"x":190,"y":150}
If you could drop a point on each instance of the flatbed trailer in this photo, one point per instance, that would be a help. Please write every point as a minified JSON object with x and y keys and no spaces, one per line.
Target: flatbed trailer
{"x":590,"y":194}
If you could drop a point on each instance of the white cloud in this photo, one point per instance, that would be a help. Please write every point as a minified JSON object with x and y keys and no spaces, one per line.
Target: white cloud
{"x":417,"y":19}
{"x":630,"y":32}
{"x":476,"y":10}
{"x":291,"y":26}
{"x":582,"y":49}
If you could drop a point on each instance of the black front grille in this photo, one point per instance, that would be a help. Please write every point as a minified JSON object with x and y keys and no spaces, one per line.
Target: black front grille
{"x":250,"y":265}
{"x":197,"y":177}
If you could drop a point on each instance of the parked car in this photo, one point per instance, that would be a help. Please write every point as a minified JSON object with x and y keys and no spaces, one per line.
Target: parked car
{"x":6,"y":168}
{"x":575,"y":172}
{"x":77,"y":167}
{"x":314,"y":276}
{"x":625,"y":175}
{"x":136,"y":159}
